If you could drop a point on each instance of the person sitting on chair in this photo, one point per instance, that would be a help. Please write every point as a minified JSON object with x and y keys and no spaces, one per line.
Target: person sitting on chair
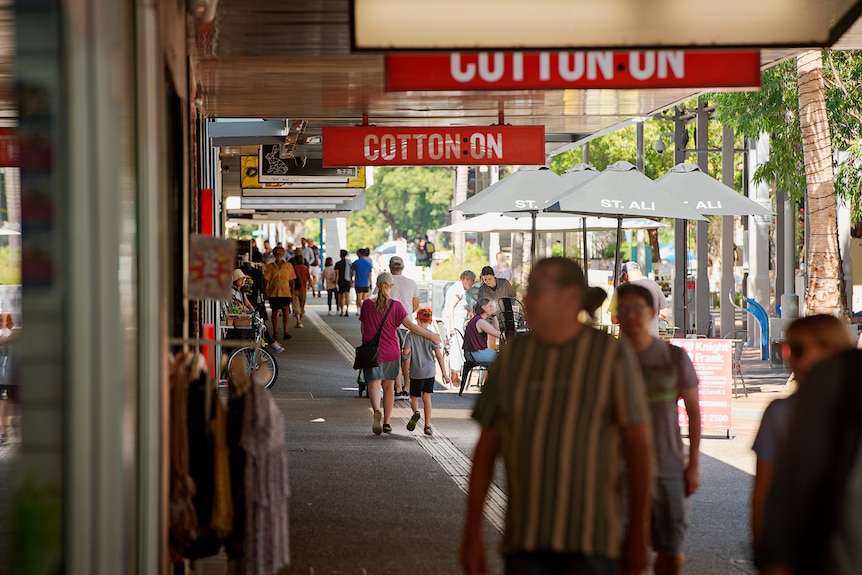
{"x":483,"y":323}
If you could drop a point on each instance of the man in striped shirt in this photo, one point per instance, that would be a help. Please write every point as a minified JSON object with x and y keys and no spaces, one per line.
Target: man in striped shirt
{"x":565,"y":407}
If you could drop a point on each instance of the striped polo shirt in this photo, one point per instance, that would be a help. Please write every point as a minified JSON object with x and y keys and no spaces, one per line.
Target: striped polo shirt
{"x":559,"y":411}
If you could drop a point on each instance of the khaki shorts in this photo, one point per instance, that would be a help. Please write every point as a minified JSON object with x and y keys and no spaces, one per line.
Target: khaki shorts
{"x":669,"y":516}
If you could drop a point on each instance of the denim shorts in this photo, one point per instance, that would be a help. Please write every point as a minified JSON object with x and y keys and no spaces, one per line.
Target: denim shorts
{"x":386,"y":370}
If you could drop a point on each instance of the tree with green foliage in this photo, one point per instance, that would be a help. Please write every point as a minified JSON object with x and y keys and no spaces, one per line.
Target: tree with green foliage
{"x":402,"y":202}
{"x":811,"y":108}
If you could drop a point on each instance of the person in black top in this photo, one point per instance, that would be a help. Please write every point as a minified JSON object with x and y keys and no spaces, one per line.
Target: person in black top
{"x":342,"y":278}
{"x":253,"y":288}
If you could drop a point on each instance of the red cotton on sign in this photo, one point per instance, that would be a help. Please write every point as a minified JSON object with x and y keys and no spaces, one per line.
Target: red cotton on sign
{"x":446,"y":146}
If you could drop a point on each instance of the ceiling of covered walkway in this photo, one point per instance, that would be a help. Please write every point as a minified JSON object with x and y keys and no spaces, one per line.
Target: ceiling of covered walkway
{"x":293,"y":60}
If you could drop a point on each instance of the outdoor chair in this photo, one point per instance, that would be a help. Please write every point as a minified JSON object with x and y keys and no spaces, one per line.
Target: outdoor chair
{"x":705,"y":330}
{"x":738,"y":346}
{"x":512,"y":317}
{"x":665,"y":329}
{"x":469,"y":366}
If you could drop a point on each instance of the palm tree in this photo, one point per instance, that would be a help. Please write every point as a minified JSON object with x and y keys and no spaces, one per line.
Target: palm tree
{"x":825,"y":280}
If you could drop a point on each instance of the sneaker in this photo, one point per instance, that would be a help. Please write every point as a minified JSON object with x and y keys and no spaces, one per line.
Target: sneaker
{"x":404,"y":395}
{"x":411,"y":425}
{"x":376,"y":426}
{"x":277,"y":347}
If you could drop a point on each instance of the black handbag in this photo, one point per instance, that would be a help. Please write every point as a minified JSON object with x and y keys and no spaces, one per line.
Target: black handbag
{"x":368,"y":354}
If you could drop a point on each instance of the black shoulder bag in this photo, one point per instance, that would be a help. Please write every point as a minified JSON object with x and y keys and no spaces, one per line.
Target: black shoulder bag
{"x":368,"y":354}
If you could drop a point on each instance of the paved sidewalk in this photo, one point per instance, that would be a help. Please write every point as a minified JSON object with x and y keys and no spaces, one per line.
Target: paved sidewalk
{"x":373,"y":505}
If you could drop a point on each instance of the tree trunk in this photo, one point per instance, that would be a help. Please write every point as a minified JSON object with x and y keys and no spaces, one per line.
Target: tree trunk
{"x":653,"y":242}
{"x":825,"y":280}
{"x":462,"y":176}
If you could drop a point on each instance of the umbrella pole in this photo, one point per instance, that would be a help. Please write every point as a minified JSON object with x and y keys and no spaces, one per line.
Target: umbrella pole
{"x":533,"y":246}
{"x":617,"y":251}
{"x":586,"y":254}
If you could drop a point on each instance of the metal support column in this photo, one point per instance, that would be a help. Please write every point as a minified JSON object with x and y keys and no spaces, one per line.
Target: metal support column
{"x":758,"y":238}
{"x":728,"y":315}
{"x":702,"y":295}
{"x":680,"y":248}
{"x":780,"y":287}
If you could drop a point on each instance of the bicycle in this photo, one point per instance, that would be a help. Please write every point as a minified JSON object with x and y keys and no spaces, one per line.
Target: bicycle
{"x":258,"y":359}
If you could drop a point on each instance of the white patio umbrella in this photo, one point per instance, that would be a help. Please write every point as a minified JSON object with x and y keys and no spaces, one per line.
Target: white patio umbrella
{"x":575,"y":176}
{"x":527,"y":190}
{"x":706,"y":195}
{"x":620,"y":191}
{"x":545,"y":222}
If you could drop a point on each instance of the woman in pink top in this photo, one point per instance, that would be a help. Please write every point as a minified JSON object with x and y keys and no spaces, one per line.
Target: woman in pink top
{"x":371,"y":316}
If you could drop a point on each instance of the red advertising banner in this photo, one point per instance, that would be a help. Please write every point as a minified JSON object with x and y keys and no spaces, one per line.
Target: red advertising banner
{"x":443,"y":146}
{"x":8,"y":148}
{"x":566,"y":70}
{"x":713,"y":362}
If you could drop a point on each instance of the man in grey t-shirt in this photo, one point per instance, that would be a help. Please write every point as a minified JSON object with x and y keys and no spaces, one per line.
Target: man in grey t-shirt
{"x":668,"y":375}
{"x":406,"y":291}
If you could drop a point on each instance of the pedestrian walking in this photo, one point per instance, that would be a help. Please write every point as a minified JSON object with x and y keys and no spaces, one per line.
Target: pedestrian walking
{"x":342,"y":270}
{"x":278,"y":277}
{"x":406,"y":291}
{"x":314,"y":267}
{"x":300,"y":292}
{"x":330,"y":284}
{"x":811,"y":521}
{"x":807,"y":342}
{"x":360,"y":276}
{"x":385,"y":314}
{"x":565,"y":407}
{"x":423,"y":353}
{"x":668,"y":375}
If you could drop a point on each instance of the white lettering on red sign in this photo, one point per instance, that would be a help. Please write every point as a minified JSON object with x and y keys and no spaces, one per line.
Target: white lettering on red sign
{"x":570,"y":66}
{"x":388,"y":147}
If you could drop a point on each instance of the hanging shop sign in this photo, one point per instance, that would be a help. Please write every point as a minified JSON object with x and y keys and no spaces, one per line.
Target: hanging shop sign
{"x":569,"y":70}
{"x":446,"y":146}
{"x":312,"y":175}
{"x":713,"y":363}
{"x":275,"y":169}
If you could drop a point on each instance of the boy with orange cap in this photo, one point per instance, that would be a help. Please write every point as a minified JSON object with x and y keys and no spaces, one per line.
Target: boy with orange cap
{"x":423,"y":352}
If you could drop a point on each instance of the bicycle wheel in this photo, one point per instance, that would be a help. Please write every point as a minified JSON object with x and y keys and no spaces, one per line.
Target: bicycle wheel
{"x":260,"y":364}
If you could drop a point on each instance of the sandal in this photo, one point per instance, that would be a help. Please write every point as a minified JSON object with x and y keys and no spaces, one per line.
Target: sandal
{"x":428,"y":430}
{"x":411,"y":425}
{"x":387,"y":428}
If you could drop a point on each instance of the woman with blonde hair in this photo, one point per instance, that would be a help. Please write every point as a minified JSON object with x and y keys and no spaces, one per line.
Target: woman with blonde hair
{"x":807,"y":341}
{"x":385,"y":314}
